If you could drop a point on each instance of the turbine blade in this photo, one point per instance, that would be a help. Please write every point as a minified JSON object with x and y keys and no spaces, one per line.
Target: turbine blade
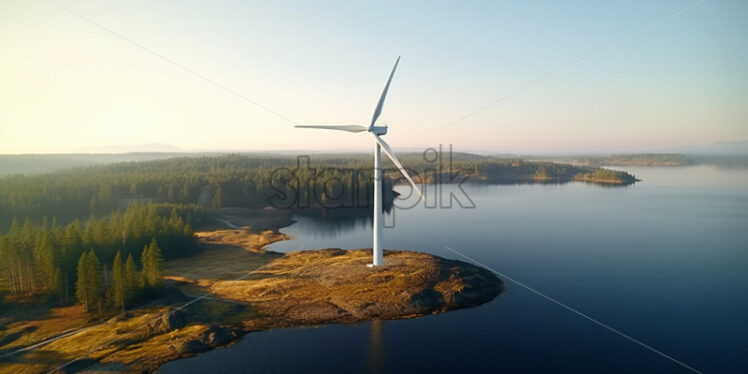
{"x":348,"y":128}
{"x":378,"y":110}
{"x":388,"y":151}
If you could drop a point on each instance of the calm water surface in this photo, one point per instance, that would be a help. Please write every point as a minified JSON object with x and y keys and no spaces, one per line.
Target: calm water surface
{"x":664,"y":261}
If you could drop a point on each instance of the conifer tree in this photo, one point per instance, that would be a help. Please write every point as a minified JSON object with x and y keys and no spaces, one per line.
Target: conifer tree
{"x":44,"y":260}
{"x":156,"y":259}
{"x":118,"y":282}
{"x":151,"y":260}
{"x":89,"y":283}
{"x":94,"y":280}
{"x":145,"y":264}
{"x":131,"y":281}
{"x":217,"y":199}
{"x":81,"y":284}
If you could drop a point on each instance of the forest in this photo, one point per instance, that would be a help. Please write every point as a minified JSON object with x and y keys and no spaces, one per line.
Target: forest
{"x":44,"y":262}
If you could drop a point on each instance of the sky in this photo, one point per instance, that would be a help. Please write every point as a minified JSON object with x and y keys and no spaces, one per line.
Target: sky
{"x":573,"y":76}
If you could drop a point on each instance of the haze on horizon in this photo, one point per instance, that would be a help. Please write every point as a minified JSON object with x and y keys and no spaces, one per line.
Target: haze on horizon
{"x":644,"y":83}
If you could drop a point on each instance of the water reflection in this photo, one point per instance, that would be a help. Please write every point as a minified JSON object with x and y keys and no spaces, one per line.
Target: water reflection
{"x":376,"y":358}
{"x":332,"y":222}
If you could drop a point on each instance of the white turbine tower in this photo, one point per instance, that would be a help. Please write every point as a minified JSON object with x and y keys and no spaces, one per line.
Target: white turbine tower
{"x":380,"y":144}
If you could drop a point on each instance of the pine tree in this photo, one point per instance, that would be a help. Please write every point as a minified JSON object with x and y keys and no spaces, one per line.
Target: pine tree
{"x":217,"y":199}
{"x":118,"y":282}
{"x":93,"y":279}
{"x":88,"y":233}
{"x":151,"y":260}
{"x":72,"y":245}
{"x":88,"y":285}
{"x":156,"y":259}
{"x":26,"y":258}
{"x":12,"y":263}
{"x":145,"y":264}
{"x":73,"y":238}
{"x":81,"y":284}
{"x":131,"y":281}
{"x":44,"y":260}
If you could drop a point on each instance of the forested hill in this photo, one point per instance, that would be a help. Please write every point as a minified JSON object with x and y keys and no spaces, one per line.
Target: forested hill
{"x":249,"y":181}
{"x":45,"y":163}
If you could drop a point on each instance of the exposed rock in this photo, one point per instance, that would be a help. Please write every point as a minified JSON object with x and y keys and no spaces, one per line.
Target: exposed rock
{"x":216,"y":336}
{"x":191,"y":347}
{"x":427,"y":299}
{"x":169,"y":321}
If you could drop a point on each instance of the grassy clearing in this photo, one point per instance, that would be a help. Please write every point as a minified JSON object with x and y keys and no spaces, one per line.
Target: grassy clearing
{"x":221,"y":259}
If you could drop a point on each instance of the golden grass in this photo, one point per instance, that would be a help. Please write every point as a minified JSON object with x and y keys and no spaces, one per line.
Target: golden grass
{"x":27,"y":332}
{"x":156,"y":350}
{"x":336,"y":286}
{"x":221,"y":259}
{"x":216,"y":262}
{"x":247,"y":239}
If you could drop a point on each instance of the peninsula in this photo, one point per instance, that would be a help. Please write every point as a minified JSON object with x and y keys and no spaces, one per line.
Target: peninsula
{"x":233,"y":287}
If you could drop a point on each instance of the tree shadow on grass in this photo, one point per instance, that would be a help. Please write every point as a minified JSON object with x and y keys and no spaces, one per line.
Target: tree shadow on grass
{"x":7,"y":339}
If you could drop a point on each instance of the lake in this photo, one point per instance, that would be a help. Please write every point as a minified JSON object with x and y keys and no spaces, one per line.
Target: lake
{"x":664,"y":261}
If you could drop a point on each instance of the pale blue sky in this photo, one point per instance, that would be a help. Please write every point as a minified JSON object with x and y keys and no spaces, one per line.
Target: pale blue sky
{"x":67,"y":85}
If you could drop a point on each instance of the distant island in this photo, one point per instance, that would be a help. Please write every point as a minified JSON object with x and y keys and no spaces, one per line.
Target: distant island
{"x":650,"y":159}
{"x":639,"y":159}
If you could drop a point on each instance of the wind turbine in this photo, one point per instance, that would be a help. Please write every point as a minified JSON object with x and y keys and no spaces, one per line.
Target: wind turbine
{"x":379,"y":143}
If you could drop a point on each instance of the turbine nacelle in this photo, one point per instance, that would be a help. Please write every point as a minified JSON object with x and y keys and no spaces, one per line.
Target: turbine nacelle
{"x":378,"y":130}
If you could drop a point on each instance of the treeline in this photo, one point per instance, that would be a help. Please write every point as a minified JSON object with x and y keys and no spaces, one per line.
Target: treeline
{"x":41,"y":260}
{"x":209,"y":181}
{"x":94,"y":287}
{"x":638,"y":159}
